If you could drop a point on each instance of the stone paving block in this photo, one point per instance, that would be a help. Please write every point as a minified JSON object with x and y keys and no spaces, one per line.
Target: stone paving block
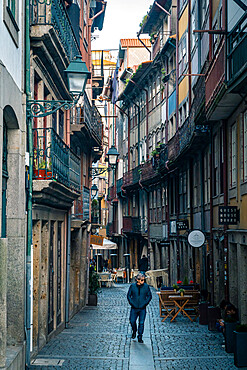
{"x":98,"y":338}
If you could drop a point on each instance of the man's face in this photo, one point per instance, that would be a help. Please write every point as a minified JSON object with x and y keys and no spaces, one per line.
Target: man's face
{"x":140,"y":281}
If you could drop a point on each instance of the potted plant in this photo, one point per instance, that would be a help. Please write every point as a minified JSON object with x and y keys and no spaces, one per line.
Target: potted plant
{"x":175,"y":287}
{"x":94,"y":287}
{"x":240,"y":346}
{"x":181,"y":291}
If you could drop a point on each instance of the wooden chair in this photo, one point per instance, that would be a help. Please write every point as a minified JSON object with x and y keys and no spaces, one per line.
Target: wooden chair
{"x":193,"y":305}
{"x":105,"y":278}
{"x":166,"y":306}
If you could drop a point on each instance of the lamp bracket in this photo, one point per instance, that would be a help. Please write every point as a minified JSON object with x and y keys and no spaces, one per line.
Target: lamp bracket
{"x":96,"y":171}
{"x":43,"y":108}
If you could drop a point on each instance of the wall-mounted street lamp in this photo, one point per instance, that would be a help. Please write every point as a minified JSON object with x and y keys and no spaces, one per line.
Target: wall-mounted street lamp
{"x":77,"y":75}
{"x":112,"y":157}
{"x":94,"y":191}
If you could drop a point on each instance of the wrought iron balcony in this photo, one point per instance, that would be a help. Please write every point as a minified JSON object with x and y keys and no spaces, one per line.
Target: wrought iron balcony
{"x":119,"y":185}
{"x":148,"y":171}
{"x":81,"y":205}
{"x":87,"y":119}
{"x":53,"y":15}
{"x":131,"y":224}
{"x":54,"y":160}
{"x":132,"y":177}
{"x":215,"y":76}
{"x":109,"y":229}
{"x":237,"y":61}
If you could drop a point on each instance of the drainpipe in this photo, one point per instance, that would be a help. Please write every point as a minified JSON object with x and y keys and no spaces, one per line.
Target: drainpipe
{"x":204,"y":281}
{"x":211,"y":223}
{"x":226,"y":250}
{"x":150,"y":52}
{"x":67,"y":269}
{"x":29,"y":248}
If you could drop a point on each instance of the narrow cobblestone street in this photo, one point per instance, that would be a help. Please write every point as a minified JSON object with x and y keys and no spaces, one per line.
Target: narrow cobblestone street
{"x":99,"y":338}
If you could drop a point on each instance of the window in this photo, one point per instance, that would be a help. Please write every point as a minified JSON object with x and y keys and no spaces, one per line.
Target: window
{"x":182,"y":52}
{"x":233,"y":154}
{"x":10,"y":17}
{"x":61,"y":124}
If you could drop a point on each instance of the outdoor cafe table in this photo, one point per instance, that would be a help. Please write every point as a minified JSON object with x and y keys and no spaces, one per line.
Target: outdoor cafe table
{"x":180,"y":302}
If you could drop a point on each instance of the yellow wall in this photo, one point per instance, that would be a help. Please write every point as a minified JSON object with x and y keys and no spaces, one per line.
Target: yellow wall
{"x":183,"y":90}
{"x":215,"y":7}
{"x":183,"y":22}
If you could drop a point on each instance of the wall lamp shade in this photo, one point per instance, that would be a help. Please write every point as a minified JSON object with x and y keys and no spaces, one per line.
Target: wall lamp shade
{"x":94,"y":191}
{"x":112,"y":156}
{"x":77,"y":76}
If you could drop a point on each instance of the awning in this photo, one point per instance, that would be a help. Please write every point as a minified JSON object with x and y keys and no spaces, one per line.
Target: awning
{"x":107,"y":244}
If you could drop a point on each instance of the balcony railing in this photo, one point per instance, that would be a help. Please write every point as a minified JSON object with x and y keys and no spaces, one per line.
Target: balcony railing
{"x":237,"y":44}
{"x":132,"y":177}
{"x":119,"y":185}
{"x":81,"y":205}
{"x":148,"y":171}
{"x":131,"y":224}
{"x":54,"y":160}
{"x":215,"y":76}
{"x":53,"y":12}
{"x":88,"y":115}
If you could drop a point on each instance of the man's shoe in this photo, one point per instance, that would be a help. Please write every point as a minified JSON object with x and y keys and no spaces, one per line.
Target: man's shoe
{"x":140,"y":339}
{"x":133,"y":335}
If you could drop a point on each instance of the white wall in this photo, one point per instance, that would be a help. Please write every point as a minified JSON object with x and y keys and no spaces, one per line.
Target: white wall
{"x":11,"y":55}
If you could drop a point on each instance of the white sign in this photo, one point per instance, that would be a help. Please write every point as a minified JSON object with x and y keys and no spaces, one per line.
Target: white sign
{"x":196,"y":238}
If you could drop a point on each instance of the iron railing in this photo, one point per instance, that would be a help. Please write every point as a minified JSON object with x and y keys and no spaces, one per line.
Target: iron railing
{"x":88,"y":115}
{"x":81,"y":205}
{"x":54,"y":160}
{"x":237,"y":44}
{"x":53,"y":12}
{"x":119,"y":185}
{"x":131,"y":224}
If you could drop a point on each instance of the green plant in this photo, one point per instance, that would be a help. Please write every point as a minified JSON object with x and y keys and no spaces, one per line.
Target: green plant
{"x":175,"y":286}
{"x":186,"y":281}
{"x":242,"y":328}
{"x":154,"y":152}
{"x":181,"y":290}
{"x":94,"y":286}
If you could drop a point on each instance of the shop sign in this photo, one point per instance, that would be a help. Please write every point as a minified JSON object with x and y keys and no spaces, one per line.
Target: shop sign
{"x":196,"y":238}
{"x":228,"y":215}
{"x":182,"y":225}
{"x":96,"y":239}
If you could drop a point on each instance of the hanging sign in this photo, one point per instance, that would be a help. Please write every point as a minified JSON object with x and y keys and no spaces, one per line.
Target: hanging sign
{"x":228,"y":215}
{"x":196,"y":238}
{"x":96,"y":239}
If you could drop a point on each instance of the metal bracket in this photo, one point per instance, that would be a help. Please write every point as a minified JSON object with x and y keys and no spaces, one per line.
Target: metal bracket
{"x":43,"y":108}
{"x":96,"y":171}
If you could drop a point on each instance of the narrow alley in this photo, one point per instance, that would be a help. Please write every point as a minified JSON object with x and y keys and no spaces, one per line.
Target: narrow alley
{"x":100,"y":338}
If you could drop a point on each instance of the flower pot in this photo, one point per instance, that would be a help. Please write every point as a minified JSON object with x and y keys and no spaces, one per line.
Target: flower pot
{"x":213,"y":315}
{"x":203,"y":313}
{"x":240,"y":349}
{"x":92,"y":300}
{"x":229,"y":337}
{"x":181,"y":294}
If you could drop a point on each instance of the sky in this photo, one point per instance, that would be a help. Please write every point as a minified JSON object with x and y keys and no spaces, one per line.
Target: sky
{"x":122,"y":19}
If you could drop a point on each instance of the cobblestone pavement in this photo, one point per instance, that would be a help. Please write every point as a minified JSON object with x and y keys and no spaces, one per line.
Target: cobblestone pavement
{"x":99,"y":338}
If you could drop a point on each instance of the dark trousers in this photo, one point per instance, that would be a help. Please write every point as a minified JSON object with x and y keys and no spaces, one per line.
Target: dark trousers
{"x":134,"y":314}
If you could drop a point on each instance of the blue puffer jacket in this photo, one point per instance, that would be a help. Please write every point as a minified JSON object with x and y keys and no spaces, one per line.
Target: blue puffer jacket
{"x":139,"y":296}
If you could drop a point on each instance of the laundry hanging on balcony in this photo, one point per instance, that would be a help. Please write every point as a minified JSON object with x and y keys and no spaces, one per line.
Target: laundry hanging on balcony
{"x":107,"y":244}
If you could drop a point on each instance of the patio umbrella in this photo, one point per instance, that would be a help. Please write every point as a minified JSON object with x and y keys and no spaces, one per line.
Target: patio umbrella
{"x":107,"y":244}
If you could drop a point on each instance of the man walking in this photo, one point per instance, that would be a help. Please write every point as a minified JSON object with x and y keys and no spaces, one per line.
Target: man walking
{"x":139,"y":296}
